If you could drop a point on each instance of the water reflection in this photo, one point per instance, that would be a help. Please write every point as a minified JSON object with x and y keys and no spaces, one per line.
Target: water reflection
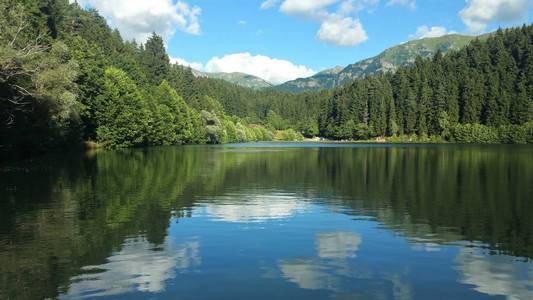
{"x":246,"y":208}
{"x":495,"y":275}
{"x":337,"y":245}
{"x":329,"y":269}
{"x":66,"y":223}
{"x":336,"y":269}
{"x":138,"y":266}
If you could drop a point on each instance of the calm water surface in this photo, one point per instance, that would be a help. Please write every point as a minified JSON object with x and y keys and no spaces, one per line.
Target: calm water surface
{"x":270,"y":221}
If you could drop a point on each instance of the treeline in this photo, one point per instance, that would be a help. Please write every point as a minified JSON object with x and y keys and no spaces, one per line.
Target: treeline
{"x":480,"y":94}
{"x":66,"y":76}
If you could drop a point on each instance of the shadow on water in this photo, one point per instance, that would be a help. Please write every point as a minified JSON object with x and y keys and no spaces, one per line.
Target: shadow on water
{"x":63,"y":213}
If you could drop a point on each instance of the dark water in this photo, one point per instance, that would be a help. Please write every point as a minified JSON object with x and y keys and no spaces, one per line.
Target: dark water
{"x":243,"y":222}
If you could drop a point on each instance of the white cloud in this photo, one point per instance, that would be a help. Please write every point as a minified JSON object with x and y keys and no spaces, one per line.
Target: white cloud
{"x":241,"y":22}
{"x":339,"y":28}
{"x":407,"y":3}
{"x":479,"y":13}
{"x":424,"y":31}
{"x":308,"y":7}
{"x":273,"y":70}
{"x":269,"y":4}
{"x":137,"y":19}
{"x":180,"y":61}
{"x":342,"y":31}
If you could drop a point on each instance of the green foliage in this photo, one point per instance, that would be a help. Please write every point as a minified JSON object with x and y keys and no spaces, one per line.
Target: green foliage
{"x":529,"y":132}
{"x":214,"y":131}
{"x":155,"y":59}
{"x":289,"y":135}
{"x":474,"y":134}
{"x":123,"y":116}
{"x":361,"y":131}
{"x":183,"y":122}
{"x":65,"y":75}
{"x":38,"y":94}
{"x":513,"y":134}
{"x":484,"y":83}
{"x":274,"y":120}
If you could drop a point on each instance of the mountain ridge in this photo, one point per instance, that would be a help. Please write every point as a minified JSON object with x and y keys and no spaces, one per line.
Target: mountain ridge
{"x":237,"y":78}
{"x":387,"y":61}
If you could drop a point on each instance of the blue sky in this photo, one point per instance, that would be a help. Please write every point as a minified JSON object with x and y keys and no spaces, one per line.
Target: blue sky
{"x":281,"y":40}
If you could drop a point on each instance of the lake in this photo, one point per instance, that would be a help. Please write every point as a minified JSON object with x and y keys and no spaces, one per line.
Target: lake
{"x":270,"y":221}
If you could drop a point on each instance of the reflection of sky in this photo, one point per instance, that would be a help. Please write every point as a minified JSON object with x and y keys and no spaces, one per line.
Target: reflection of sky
{"x":315,"y":273}
{"x":254,"y":208}
{"x":334,"y":269}
{"x":137,"y":267}
{"x":337,"y":245}
{"x":495,"y":275}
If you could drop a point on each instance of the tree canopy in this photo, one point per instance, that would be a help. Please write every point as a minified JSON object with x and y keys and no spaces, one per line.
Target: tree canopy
{"x":66,"y":76}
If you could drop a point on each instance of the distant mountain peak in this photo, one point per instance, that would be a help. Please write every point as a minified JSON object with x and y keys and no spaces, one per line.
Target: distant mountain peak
{"x":387,"y":61}
{"x":237,"y":78}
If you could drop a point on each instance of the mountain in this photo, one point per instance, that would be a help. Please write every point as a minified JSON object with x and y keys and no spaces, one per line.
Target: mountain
{"x":240,"y":79}
{"x":387,"y":61}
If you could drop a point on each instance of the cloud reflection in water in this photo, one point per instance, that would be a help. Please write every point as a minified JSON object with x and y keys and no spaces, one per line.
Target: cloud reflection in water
{"x":495,"y":275}
{"x":137,"y":267}
{"x":257,"y":208}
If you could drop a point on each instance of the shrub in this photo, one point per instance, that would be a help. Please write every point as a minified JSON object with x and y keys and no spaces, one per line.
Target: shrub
{"x":528,"y":127}
{"x":288,"y":135}
{"x":474,"y":134}
{"x":513,"y":134}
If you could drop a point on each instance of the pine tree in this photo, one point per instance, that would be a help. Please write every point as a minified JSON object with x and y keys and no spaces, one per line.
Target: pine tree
{"x":522,"y":106}
{"x":155,"y":59}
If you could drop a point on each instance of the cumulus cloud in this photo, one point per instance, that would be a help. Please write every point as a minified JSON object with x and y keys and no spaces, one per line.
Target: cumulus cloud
{"x":479,"y":13}
{"x":425,"y":31}
{"x":180,"y":61}
{"x":342,"y":31}
{"x":407,"y":3}
{"x":339,"y":28}
{"x":137,"y":19}
{"x":273,"y":70}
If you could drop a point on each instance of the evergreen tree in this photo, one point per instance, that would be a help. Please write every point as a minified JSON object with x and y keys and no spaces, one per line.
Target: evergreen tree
{"x":155,"y":59}
{"x":121,"y":112}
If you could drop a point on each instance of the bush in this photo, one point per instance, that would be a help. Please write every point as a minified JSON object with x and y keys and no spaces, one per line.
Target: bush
{"x":474,"y":134}
{"x":528,"y":127}
{"x":513,"y":134}
{"x":289,"y":135}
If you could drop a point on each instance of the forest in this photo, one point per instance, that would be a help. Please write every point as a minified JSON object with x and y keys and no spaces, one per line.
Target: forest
{"x":67,"y":78}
